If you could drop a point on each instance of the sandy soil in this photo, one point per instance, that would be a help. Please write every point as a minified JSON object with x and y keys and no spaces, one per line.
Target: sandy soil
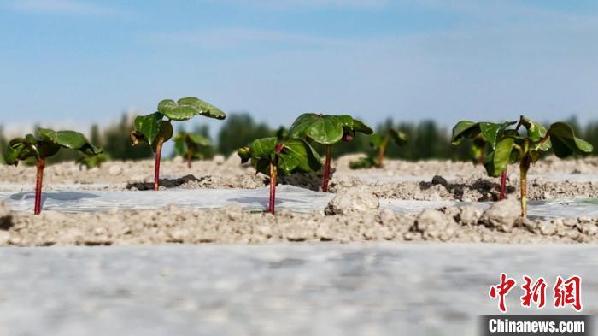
{"x":499,"y":224}
{"x":353,"y":215}
{"x":550,"y":178}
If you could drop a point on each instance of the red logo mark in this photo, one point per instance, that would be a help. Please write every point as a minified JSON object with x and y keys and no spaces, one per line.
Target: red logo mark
{"x":501,"y":290}
{"x":568,"y":292}
{"x":535,"y":293}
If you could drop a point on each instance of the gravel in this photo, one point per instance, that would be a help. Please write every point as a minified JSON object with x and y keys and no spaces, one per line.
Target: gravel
{"x":358,"y":210}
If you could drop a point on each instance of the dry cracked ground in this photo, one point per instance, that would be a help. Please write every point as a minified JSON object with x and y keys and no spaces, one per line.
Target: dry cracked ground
{"x":353,"y":215}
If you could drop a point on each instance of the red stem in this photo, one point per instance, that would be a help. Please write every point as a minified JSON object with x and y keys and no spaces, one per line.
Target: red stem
{"x":503,"y":185}
{"x":39,"y":180}
{"x":273,"y":178}
{"x":326,"y":176}
{"x":158,"y":157}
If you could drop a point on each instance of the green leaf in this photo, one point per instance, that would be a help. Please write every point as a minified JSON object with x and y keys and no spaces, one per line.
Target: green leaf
{"x":19,"y":150}
{"x":179,"y":145}
{"x":151,"y":129}
{"x":376,"y":140}
{"x":203,"y":108}
{"x":492,"y":132}
{"x":190,"y":144}
{"x":535,"y":131}
{"x":92,"y":161}
{"x":188,"y":107}
{"x":89,"y":149}
{"x":565,"y":143}
{"x":296,"y":155}
{"x":146,"y":128}
{"x":359,"y":127}
{"x":174,"y":111}
{"x":44,"y":134}
{"x":478,"y":148}
{"x":70,"y":139}
{"x":465,"y":129}
{"x":398,"y":137}
{"x":244,"y":153}
{"x":167,"y":105}
{"x":326,"y":129}
{"x":49,"y":142}
{"x":179,"y":113}
{"x":498,"y":159}
{"x":165,"y":132}
{"x":198,"y":139}
{"x":363,"y":163}
{"x":45,"y":143}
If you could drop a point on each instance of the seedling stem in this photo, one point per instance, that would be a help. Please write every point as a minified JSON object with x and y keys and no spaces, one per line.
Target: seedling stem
{"x":39,"y":181}
{"x":503,"y":185}
{"x":326,"y":176}
{"x":158,"y":156}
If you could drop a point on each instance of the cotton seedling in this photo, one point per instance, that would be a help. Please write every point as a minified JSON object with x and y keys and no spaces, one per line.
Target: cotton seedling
{"x":327,"y":130}
{"x":379,"y":143}
{"x":156,"y":128}
{"x":40,"y":145}
{"x":275,"y":157}
{"x":192,"y":146}
{"x":523,"y":142}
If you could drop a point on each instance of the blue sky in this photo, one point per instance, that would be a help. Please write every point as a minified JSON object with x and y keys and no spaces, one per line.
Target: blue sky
{"x":72,"y":62}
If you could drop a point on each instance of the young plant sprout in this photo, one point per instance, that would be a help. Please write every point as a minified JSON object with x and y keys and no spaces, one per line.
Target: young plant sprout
{"x":41,"y":145}
{"x":526,"y":146}
{"x":379,"y":144}
{"x":327,"y":130}
{"x":92,"y":161}
{"x":154,"y":130}
{"x":272,"y":157}
{"x":484,"y":137}
{"x":192,"y":146}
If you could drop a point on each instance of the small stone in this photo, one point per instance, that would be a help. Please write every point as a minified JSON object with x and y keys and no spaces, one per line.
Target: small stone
{"x":547,"y":228}
{"x":386,"y":216}
{"x":4,"y":238}
{"x":589,"y":229}
{"x":179,"y":235}
{"x":411,"y":235}
{"x":502,"y":215}
{"x":470,"y":215}
{"x":233,"y":160}
{"x":115,"y":170}
{"x":351,"y":201}
{"x":570,"y":222}
{"x":297,"y":235}
{"x":530,"y":225}
{"x":451,"y":212}
{"x":219,"y":159}
{"x":433,"y":224}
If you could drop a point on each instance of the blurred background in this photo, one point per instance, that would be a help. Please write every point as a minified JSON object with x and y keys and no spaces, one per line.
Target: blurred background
{"x":427,"y":139}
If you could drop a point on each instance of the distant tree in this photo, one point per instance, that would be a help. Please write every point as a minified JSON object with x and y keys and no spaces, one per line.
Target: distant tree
{"x":427,"y":141}
{"x":240,"y":130}
{"x":94,"y":134}
{"x":591,"y":134}
{"x":3,"y":144}
{"x":117,"y":142}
